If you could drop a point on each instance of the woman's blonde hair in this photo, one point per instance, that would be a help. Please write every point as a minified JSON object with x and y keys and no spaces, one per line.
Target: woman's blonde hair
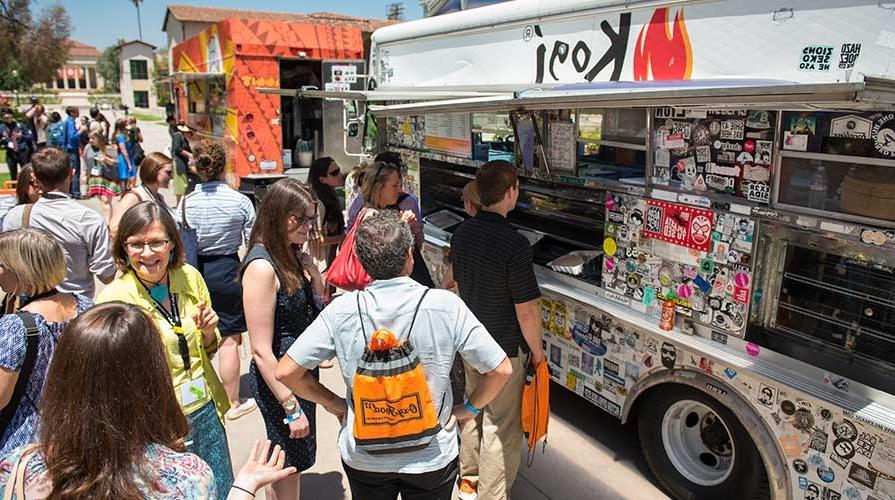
{"x":375,"y":176}
{"x":35,"y":257}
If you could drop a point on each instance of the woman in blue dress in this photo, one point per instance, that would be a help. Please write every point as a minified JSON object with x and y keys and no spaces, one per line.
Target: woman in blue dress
{"x":125,"y":164}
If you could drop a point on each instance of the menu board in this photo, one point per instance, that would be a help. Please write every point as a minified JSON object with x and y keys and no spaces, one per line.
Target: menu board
{"x":450,"y":134}
{"x":698,"y":258}
{"x":561,"y":142}
{"x":724,"y":151}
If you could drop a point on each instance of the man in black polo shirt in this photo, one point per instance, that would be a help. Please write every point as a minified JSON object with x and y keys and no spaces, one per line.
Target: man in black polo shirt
{"x":495,"y":275}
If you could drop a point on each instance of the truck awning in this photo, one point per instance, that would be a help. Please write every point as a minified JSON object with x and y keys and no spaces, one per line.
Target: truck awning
{"x":870,"y":94}
{"x":381,"y":95}
{"x":186,"y":76}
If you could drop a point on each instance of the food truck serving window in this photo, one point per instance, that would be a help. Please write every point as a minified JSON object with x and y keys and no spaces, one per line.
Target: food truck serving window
{"x":492,"y":135}
{"x":612,"y":144}
{"x":839,"y":162}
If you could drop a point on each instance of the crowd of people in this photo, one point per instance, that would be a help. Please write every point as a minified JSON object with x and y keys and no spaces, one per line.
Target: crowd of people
{"x":178,"y":294}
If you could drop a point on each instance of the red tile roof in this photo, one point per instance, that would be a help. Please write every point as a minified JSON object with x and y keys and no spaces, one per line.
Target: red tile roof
{"x":78,"y":49}
{"x":213,"y":14}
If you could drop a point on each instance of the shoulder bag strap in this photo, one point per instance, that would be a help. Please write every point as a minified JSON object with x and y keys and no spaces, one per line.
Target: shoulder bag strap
{"x":26,"y":215}
{"x":183,"y":213}
{"x":32,"y":335}
{"x":16,"y":481}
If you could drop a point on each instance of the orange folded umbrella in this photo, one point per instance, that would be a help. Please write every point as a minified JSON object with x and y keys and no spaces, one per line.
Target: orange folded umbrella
{"x":536,"y":406}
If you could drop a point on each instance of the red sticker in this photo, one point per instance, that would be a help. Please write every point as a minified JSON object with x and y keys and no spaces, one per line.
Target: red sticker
{"x":679,"y":225}
{"x":741,"y":295}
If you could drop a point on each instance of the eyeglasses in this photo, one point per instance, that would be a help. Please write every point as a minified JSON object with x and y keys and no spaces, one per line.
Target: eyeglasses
{"x":138,"y":246}
{"x":334,"y":173}
{"x":312,"y":220}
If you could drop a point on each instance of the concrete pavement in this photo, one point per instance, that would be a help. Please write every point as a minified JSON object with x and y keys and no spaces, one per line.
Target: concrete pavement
{"x":589,"y":453}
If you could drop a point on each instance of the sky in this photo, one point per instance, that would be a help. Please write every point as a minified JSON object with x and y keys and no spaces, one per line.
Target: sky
{"x":101,"y":22}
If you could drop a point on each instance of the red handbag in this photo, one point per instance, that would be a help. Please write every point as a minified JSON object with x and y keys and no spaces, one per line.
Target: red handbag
{"x":346,"y":271}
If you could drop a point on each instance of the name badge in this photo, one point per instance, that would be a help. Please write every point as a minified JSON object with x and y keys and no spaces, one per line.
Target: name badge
{"x":192,"y":391}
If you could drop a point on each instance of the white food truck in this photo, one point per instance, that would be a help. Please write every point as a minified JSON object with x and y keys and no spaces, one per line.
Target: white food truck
{"x":735,"y":158}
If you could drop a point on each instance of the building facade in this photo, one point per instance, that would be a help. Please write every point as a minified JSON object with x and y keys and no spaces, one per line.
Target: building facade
{"x":137,"y":63}
{"x":78,"y":76}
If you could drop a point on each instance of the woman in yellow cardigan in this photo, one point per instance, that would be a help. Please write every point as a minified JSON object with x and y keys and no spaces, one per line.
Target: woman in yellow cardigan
{"x":149,"y":254}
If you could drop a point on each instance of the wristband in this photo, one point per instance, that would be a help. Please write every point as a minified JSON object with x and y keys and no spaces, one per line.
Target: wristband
{"x":295,"y":416}
{"x":472,"y":409}
{"x":240,"y":488}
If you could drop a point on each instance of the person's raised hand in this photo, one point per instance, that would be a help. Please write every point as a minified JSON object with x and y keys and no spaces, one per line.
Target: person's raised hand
{"x":261,"y":469}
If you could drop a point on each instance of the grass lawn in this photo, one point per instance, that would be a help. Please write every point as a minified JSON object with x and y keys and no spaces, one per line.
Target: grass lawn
{"x":141,"y":117}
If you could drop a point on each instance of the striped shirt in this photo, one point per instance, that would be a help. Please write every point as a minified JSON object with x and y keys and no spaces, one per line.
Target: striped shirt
{"x":494,"y":271}
{"x":223,"y":217}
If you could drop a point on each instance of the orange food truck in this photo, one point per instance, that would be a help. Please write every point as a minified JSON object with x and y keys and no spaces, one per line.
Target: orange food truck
{"x":218,"y":72}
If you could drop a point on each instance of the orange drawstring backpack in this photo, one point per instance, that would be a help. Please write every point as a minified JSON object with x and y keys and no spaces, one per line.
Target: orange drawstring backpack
{"x":536,"y":406}
{"x":393,"y":407}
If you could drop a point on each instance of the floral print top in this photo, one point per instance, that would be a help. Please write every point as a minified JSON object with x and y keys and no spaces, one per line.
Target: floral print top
{"x":165,"y":473}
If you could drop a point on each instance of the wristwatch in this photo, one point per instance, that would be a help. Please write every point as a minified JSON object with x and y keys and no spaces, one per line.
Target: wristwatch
{"x":289,"y":404}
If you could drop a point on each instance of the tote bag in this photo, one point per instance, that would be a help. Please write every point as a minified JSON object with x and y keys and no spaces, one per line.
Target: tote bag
{"x":346,"y":271}
{"x":190,"y":239}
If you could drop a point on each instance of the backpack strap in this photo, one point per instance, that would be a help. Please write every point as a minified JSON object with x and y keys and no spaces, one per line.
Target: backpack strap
{"x":412,"y":321}
{"x":32,"y":335}
{"x":26,"y":214}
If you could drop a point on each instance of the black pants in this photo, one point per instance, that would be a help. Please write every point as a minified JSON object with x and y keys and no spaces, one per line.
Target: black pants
{"x":436,"y":485}
{"x":12,"y":161}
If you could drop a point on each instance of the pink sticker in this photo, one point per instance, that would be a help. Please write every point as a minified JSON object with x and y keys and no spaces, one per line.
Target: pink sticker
{"x":684,"y":291}
{"x":752,"y":349}
{"x":610,"y":202}
{"x":742,"y":279}
{"x":609,"y":264}
{"x":749,"y":146}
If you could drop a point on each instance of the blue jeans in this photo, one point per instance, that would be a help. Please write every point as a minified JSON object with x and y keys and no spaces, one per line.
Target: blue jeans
{"x":75,"y":160}
{"x":208,"y":440}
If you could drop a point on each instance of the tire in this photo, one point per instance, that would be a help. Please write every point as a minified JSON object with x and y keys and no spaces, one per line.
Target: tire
{"x":708,"y":442}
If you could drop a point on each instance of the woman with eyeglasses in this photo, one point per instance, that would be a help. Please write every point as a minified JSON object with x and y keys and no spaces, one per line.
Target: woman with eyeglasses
{"x":149,"y":253}
{"x":223,"y":220}
{"x":32,"y":263}
{"x":156,"y":171}
{"x":281,"y":295}
{"x":324,"y":177}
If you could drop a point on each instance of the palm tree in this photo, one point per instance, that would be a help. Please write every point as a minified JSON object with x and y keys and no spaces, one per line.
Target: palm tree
{"x":139,"y":26}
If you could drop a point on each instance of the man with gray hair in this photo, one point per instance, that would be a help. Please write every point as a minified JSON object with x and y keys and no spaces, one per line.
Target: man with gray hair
{"x":443,"y":326}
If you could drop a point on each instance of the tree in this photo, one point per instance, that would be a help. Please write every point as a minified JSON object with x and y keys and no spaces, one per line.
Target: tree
{"x":160,"y":73}
{"x":109,"y":67}
{"x":35,"y":48}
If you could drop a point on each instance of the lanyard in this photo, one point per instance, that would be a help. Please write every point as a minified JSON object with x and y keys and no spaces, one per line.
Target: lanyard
{"x":55,"y":196}
{"x":173,"y":319}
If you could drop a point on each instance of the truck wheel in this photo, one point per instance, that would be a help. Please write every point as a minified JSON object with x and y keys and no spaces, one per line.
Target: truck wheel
{"x":697,"y":448}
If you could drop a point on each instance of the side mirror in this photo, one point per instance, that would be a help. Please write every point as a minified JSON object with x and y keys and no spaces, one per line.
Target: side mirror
{"x":353,"y":129}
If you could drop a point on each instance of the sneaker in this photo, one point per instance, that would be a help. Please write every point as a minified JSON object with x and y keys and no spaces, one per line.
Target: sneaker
{"x":244,"y":408}
{"x":467,"y":490}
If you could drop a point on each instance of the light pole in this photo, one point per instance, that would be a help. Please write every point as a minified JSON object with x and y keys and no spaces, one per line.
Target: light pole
{"x":139,"y":25}
{"x":15,"y":86}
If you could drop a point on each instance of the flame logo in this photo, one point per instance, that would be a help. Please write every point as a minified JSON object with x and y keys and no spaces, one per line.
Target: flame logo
{"x":663,"y":50}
